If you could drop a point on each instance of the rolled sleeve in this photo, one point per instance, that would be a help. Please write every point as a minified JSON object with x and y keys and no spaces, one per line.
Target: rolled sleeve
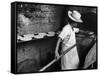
{"x":65,"y":32}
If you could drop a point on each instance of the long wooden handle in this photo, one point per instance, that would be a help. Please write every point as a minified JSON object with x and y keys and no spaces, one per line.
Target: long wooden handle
{"x":56,"y":59}
{"x":45,"y":67}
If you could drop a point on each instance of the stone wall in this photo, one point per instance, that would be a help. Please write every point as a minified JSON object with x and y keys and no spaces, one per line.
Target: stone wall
{"x":38,"y":18}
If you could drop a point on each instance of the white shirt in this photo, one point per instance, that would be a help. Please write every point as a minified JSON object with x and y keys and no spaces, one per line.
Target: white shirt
{"x":71,"y":59}
{"x":68,"y":32}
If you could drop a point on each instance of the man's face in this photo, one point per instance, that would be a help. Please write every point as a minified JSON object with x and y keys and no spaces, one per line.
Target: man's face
{"x":74,"y":24}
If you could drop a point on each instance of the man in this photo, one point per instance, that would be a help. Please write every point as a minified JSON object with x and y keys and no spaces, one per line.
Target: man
{"x":70,"y":60}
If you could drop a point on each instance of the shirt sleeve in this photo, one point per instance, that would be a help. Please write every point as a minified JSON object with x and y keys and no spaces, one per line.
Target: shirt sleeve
{"x":65,"y":32}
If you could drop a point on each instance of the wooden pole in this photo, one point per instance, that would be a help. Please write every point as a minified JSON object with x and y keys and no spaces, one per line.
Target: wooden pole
{"x":56,"y":59}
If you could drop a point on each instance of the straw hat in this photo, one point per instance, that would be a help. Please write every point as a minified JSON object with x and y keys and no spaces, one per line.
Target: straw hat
{"x":75,"y":16}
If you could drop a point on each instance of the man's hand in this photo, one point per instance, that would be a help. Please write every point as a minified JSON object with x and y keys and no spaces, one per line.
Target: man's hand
{"x":91,"y":33}
{"x":76,"y":30}
{"x":57,"y":55}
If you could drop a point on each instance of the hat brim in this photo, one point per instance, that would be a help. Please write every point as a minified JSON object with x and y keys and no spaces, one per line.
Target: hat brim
{"x":76,"y":20}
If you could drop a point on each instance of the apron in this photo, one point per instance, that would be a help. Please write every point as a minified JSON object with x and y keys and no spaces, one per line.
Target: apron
{"x":70,"y":60}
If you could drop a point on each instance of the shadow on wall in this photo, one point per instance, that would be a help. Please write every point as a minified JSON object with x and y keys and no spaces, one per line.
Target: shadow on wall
{"x":90,"y":21}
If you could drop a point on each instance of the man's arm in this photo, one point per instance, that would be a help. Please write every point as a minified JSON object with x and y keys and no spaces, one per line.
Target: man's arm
{"x":57,"y":47}
{"x":77,"y":30}
{"x":86,"y":32}
{"x":62,"y":35}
